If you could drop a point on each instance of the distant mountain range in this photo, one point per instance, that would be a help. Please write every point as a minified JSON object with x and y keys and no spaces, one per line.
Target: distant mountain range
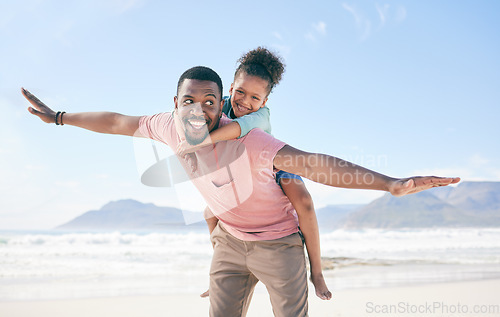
{"x":129,"y":214}
{"x":470,"y":204}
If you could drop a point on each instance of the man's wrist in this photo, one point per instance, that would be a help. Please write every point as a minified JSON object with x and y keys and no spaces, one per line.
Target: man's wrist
{"x":389,"y":183}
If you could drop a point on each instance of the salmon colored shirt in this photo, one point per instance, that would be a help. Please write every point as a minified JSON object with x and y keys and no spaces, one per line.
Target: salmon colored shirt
{"x":236,"y":179}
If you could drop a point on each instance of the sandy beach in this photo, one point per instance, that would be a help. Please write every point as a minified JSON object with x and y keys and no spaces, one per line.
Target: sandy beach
{"x":468,"y":298}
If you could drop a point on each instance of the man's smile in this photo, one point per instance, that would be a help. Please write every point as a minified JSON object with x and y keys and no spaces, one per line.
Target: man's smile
{"x":196,"y":123}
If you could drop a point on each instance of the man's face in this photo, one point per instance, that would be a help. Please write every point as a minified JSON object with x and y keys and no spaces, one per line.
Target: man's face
{"x":198,"y":106}
{"x":248,"y":94}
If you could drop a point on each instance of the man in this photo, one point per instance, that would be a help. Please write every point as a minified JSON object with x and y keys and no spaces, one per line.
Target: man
{"x":254,"y":229}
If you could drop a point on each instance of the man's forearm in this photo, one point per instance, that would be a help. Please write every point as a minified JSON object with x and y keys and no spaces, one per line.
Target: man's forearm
{"x":336,"y":172}
{"x":103,"y":122}
{"x":329,"y":170}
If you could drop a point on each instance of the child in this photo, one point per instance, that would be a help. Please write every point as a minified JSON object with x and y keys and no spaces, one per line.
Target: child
{"x":259,"y":71}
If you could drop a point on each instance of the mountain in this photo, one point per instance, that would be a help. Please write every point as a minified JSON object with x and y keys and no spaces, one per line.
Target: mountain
{"x":468,"y":204}
{"x":334,"y":216}
{"x":480,"y":197}
{"x":127,"y":214}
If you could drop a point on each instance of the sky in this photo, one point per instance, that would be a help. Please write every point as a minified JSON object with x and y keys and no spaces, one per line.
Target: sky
{"x":401,"y":87}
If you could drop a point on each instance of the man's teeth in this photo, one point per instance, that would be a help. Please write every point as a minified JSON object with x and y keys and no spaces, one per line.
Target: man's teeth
{"x":197,"y":124}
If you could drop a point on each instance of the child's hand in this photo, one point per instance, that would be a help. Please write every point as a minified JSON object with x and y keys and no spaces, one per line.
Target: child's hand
{"x":185,"y":148}
{"x":205,"y":294}
{"x":192,"y":161}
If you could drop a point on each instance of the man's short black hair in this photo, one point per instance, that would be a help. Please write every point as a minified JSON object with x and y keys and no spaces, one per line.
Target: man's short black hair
{"x":201,"y":73}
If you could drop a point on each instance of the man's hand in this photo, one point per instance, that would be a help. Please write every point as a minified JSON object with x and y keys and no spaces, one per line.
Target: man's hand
{"x":412,"y":185}
{"x":39,"y":109}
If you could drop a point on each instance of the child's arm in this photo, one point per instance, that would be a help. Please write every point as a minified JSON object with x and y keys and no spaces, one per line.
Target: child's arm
{"x":301,"y":200}
{"x":211,"y":223}
{"x":260,"y":119}
{"x":238,"y":128}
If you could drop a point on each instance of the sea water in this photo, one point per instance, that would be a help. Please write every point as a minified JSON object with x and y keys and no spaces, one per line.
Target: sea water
{"x":54,"y":264}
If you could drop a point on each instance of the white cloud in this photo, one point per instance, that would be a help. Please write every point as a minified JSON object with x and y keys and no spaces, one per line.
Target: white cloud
{"x":382,"y":12}
{"x":284,"y":50}
{"x":355,"y":14}
{"x":281,"y":44}
{"x":366,"y":29}
{"x":385,"y":14}
{"x":309,"y":36}
{"x":320,"y":27}
{"x":363,"y":24}
{"x":400,"y":14}
{"x":278,"y":36}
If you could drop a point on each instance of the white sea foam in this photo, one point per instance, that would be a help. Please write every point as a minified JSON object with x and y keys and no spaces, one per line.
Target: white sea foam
{"x":460,"y":245}
{"x":55,"y":264}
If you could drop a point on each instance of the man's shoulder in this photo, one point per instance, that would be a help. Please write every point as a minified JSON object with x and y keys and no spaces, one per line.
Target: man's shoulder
{"x":224,"y":120}
{"x":258,"y":133}
{"x":260,"y":137}
{"x":159,"y":117}
{"x":159,"y":126}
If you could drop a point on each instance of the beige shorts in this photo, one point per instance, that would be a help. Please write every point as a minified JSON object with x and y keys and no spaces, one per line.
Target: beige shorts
{"x":238,"y":265}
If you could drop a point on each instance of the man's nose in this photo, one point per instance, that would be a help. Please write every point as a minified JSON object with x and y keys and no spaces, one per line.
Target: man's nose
{"x":197,"y":109}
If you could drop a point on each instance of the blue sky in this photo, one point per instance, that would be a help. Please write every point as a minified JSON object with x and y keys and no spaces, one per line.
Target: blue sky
{"x":402,"y":87}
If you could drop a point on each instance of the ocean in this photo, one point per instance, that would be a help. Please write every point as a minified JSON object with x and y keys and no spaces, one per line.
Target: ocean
{"x":42,"y":265}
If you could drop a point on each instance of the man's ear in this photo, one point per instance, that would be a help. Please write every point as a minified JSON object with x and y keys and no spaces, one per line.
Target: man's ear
{"x":221,"y":107}
{"x":175,"y":101}
{"x":264,"y":103}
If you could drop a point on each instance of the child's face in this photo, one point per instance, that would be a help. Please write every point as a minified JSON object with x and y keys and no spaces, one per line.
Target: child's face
{"x":248,"y":94}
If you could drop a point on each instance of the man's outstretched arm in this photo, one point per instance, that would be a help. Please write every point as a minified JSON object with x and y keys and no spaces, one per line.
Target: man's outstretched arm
{"x":332,"y":171}
{"x":102,"y":122}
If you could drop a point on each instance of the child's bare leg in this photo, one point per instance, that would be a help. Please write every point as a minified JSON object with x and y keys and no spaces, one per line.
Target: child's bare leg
{"x":206,"y":294}
{"x":301,"y":200}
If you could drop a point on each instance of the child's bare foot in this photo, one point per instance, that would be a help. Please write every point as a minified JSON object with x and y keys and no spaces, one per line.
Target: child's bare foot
{"x":205,"y":294}
{"x":320,"y":286}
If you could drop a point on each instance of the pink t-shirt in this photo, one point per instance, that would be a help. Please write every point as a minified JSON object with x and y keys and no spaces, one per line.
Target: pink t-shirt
{"x":236,"y":179}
